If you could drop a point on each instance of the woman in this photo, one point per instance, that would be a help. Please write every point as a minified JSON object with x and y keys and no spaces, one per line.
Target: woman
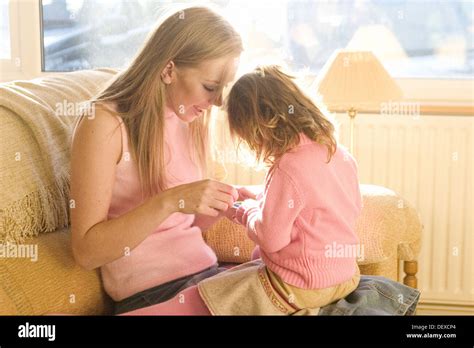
{"x":137,"y":166}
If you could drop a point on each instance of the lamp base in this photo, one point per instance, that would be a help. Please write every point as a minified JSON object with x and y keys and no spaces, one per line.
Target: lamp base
{"x":352,"y":114}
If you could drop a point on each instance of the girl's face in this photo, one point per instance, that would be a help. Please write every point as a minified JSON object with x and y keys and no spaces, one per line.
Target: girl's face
{"x":190,"y":91}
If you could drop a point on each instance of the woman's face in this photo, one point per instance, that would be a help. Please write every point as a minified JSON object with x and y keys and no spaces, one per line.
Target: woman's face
{"x":190,"y":91}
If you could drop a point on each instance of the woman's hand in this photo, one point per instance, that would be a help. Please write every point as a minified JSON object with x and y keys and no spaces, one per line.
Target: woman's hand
{"x":245,"y":193}
{"x":207,"y":197}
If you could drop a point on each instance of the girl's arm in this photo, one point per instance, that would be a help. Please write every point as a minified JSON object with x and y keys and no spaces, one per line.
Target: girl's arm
{"x":270,"y":225}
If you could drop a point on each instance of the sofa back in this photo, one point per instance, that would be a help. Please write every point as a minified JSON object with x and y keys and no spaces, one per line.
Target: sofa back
{"x":36,"y":119}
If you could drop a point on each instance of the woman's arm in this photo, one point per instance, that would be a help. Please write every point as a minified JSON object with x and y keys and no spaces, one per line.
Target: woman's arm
{"x":97,"y":241}
{"x":95,"y":152}
{"x":205,"y":221}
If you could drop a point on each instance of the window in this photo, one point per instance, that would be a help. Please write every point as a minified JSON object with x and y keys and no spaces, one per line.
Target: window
{"x":5,"y":49}
{"x":412,"y":38}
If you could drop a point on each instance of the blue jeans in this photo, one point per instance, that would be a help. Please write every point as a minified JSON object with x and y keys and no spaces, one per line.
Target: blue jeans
{"x":163,"y":292}
{"x":374,"y":295}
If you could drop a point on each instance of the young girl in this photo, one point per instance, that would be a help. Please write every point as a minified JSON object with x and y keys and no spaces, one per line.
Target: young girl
{"x":311,"y":199}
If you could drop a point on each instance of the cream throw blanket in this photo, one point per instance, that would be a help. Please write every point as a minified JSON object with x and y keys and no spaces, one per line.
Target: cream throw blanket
{"x":36,"y":119}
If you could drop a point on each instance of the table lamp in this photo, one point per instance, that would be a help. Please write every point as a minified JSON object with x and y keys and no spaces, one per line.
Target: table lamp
{"x":352,"y":81}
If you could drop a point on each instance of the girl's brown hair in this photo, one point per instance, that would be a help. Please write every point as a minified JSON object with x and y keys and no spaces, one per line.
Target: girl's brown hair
{"x":267,"y":110}
{"x":188,"y":37}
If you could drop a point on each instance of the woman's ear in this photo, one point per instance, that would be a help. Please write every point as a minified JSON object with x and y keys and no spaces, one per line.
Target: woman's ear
{"x":168,"y":73}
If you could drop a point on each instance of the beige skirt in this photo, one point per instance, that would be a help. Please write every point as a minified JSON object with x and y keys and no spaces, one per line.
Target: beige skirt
{"x":245,"y":290}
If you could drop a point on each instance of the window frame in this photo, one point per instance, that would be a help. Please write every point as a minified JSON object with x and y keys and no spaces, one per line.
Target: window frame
{"x":25,"y":33}
{"x":13,"y":65}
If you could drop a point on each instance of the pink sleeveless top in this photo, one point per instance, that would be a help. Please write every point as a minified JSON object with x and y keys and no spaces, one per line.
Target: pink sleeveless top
{"x":176,"y":248}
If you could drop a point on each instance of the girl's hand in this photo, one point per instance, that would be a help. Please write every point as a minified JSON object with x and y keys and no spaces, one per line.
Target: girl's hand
{"x":229,"y":213}
{"x":240,"y":211}
{"x":239,"y":214}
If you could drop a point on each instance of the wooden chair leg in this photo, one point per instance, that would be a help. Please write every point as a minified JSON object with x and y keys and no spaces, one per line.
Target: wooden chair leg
{"x":410,"y":268}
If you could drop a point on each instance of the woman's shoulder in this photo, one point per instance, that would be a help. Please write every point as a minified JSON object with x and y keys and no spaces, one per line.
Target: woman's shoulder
{"x":102,"y":129}
{"x":106,"y":110}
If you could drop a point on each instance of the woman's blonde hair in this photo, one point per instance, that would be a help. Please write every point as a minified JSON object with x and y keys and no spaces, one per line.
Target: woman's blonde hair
{"x":188,"y":37}
{"x":267,"y":110}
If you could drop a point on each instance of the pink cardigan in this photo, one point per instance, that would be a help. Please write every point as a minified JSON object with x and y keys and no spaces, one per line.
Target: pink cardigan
{"x":308,"y":209}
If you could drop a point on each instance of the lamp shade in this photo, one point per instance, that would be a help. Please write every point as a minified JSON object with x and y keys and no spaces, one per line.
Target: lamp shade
{"x":355,"y":79}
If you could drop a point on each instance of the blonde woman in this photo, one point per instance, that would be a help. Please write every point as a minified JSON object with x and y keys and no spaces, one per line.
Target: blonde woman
{"x":138,"y":167}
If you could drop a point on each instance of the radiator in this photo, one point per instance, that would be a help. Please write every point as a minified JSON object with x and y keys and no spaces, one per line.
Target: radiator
{"x":428,"y":161}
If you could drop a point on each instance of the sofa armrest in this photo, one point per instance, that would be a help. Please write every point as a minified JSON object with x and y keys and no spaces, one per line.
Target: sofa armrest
{"x":53,"y":283}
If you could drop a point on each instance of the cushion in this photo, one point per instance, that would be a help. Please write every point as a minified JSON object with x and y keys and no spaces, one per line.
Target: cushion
{"x":229,"y":241}
{"x":36,"y":119}
{"x":51,"y":284}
